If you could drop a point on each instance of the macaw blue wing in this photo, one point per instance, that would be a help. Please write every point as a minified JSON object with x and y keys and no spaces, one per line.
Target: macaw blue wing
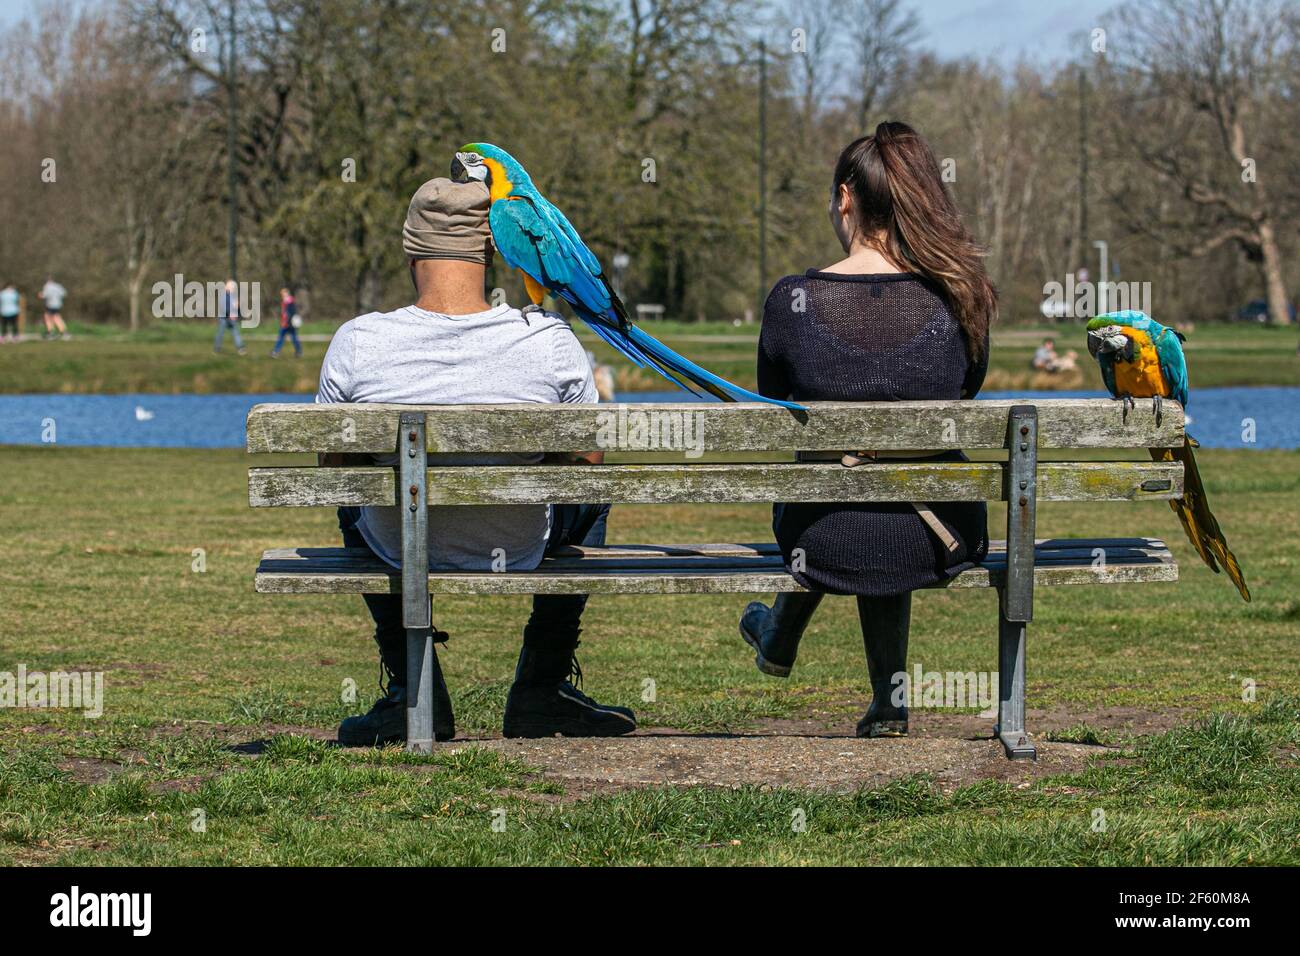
{"x":1173,"y":364}
{"x":585,"y":255}
{"x":528,"y":239}
{"x":534,"y":242}
{"x":527,"y":242}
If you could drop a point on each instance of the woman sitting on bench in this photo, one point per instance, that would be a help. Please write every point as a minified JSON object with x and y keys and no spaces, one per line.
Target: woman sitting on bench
{"x":905,"y":316}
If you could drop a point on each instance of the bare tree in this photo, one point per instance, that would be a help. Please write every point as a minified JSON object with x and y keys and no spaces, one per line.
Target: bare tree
{"x":882,"y":33}
{"x":1005,"y":132}
{"x":811,"y":66}
{"x":1207,"y":86}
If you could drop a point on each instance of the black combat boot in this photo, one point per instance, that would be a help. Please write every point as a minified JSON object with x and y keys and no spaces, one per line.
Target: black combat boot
{"x":543,"y":702}
{"x":885,"y":624}
{"x":385,"y":723}
{"x":774,"y":632}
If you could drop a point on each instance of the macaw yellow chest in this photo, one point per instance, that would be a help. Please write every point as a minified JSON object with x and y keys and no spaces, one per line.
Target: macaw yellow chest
{"x":1141,"y":378}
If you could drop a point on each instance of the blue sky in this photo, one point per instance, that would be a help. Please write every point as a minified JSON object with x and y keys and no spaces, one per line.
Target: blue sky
{"x":1039,"y":30}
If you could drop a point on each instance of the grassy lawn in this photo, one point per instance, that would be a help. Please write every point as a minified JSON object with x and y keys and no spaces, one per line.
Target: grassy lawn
{"x":213,"y":694}
{"x":178,"y":358}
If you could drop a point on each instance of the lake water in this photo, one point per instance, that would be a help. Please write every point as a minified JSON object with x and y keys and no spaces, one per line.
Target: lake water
{"x":217,"y":421}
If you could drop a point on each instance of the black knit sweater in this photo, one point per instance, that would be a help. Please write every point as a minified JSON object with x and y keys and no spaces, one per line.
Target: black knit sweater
{"x":869,"y":338}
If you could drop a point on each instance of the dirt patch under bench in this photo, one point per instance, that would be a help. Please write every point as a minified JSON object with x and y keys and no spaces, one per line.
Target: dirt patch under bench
{"x":820,"y":752}
{"x":815,"y":762}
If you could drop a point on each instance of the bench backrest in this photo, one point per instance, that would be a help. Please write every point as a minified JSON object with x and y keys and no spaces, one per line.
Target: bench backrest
{"x":692,"y":431}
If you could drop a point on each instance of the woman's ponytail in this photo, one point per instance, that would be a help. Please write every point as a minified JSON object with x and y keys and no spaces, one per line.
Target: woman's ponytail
{"x":898,"y":191}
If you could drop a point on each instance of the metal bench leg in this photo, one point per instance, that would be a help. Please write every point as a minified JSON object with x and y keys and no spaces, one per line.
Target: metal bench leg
{"x":413,"y":500}
{"x":1016,"y":596}
{"x":419,"y":690}
{"x":1011,"y":689}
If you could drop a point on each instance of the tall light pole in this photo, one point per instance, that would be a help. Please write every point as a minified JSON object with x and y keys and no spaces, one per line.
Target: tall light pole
{"x":1083,"y":164}
{"x":232,"y":186}
{"x":762,"y":177}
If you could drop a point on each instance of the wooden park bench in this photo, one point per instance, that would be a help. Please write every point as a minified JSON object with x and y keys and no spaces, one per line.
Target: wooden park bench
{"x":1010,"y":433}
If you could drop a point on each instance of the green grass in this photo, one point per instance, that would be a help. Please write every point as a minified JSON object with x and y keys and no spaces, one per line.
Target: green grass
{"x":96,"y":568}
{"x":1216,"y":792}
{"x":178,"y":358}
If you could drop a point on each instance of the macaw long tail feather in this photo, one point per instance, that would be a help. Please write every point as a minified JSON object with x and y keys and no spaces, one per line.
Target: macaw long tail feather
{"x":677,"y":367}
{"x":645,"y":350}
{"x":1193,"y":510}
{"x":620,"y":342}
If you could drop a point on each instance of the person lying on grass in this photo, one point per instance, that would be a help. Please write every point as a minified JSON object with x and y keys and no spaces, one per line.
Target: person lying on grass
{"x":452,"y":348}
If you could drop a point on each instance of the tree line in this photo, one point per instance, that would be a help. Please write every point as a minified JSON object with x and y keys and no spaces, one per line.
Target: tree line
{"x":1165,"y":144}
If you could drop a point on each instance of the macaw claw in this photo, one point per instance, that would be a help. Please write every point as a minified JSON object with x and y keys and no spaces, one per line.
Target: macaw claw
{"x":1128,"y":403}
{"x":531,"y":308}
{"x":1157,"y":405}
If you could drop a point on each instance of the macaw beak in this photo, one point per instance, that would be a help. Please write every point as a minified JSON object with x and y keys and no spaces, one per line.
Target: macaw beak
{"x":1109,"y":341}
{"x":463,"y":172}
{"x":1094,"y":343}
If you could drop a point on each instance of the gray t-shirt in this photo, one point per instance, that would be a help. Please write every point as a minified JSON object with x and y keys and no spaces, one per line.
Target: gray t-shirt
{"x":414,"y":357}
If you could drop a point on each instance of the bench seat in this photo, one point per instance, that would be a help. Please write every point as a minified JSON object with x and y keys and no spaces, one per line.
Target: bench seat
{"x":690,"y":569}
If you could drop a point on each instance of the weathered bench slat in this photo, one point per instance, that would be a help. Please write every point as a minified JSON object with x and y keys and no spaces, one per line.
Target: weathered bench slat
{"x":1044,"y":548}
{"x":627,"y":558}
{"x":664,"y":484}
{"x":708,"y":427}
{"x":716,"y":570}
{"x":598,"y":565}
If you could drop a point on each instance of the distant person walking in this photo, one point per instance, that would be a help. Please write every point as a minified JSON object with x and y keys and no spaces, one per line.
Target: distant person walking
{"x":289,"y":323}
{"x":228,"y":318}
{"x":53,"y":294}
{"x":11,"y":304}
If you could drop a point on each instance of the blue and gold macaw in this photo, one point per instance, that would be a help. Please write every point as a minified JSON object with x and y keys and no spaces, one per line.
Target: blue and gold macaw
{"x":535,"y":237}
{"x":1140,"y":358}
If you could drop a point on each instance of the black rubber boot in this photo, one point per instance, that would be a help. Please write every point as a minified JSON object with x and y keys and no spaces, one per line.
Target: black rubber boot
{"x":385,"y":723}
{"x":885,"y":625}
{"x":774,"y":632}
{"x":543,"y":702}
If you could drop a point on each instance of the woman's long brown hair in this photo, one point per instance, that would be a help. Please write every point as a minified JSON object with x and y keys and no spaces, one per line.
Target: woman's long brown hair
{"x":897,"y":189}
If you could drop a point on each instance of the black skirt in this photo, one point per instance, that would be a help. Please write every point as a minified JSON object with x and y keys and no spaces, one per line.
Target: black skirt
{"x":878,"y":549}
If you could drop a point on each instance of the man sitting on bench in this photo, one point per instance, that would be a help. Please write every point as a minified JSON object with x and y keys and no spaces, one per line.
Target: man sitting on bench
{"x":450,"y":348}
